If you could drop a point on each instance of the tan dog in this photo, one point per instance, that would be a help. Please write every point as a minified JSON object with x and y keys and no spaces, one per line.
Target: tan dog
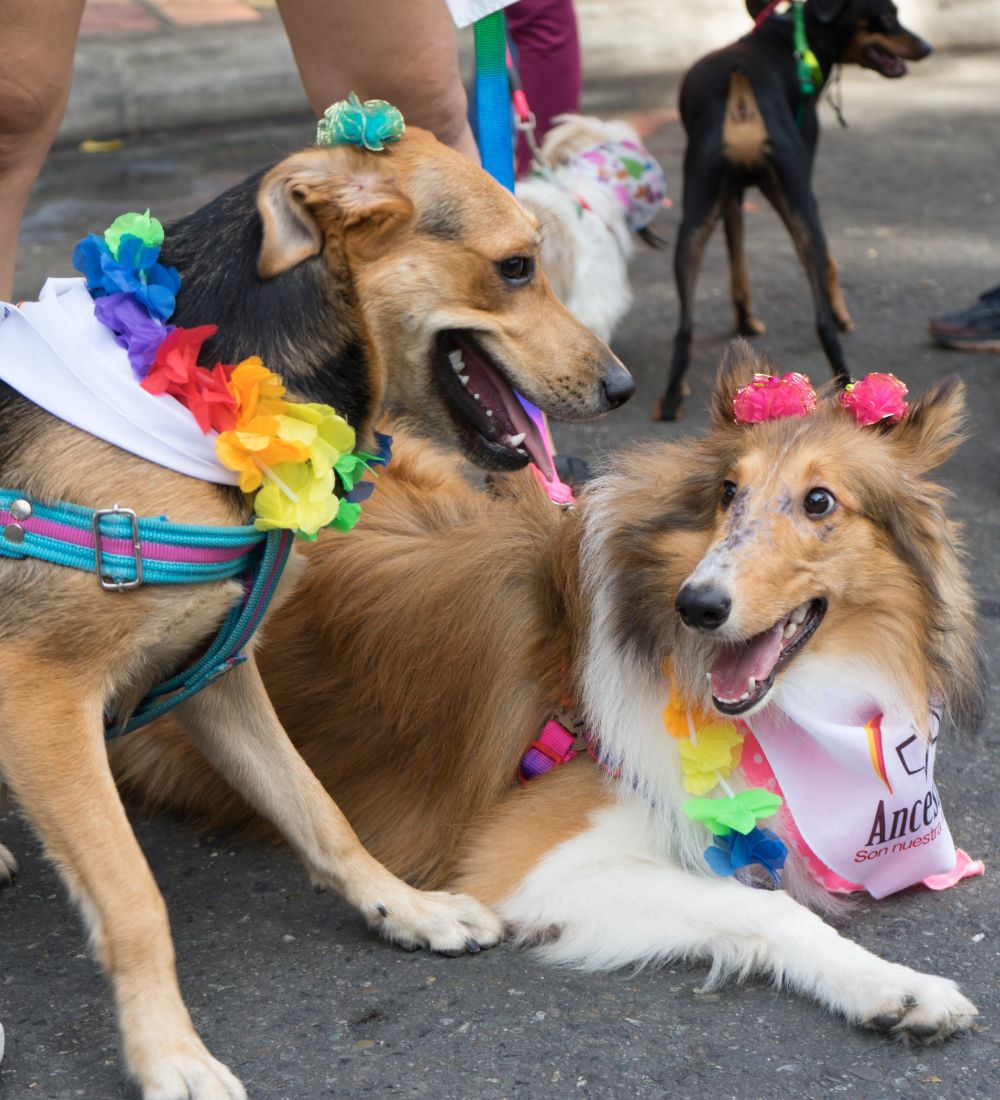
{"x":482,"y":614}
{"x":359,"y":278}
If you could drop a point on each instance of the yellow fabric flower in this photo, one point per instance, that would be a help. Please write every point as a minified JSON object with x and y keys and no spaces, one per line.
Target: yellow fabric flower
{"x":253,"y":444}
{"x":258,"y":391}
{"x":296,"y":498}
{"x":323,"y":433}
{"x":715,"y":752}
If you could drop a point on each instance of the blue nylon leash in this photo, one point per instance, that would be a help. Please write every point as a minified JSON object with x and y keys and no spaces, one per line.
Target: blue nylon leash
{"x":493,"y":119}
{"x":493,"y":116}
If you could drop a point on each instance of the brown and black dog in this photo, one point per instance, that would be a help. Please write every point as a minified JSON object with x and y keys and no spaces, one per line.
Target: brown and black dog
{"x":749,"y":123}
{"x":362,"y":279}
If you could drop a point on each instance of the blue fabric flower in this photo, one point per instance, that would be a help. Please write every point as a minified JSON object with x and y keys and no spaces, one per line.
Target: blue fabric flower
{"x":133,"y":329}
{"x":361,"y":492}
{"x":135,"y":271}
{"x":89,"y":258}
{"x":384,"y":456}
{"x":760,"y":846}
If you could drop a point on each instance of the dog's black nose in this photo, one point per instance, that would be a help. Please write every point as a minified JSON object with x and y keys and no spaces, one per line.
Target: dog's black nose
{"x":618,"y":385}
{"x":703,"y":606}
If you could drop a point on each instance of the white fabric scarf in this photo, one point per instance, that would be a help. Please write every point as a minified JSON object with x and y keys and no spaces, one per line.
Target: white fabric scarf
{"x":58,"y":355}
{"x":863,"y":797}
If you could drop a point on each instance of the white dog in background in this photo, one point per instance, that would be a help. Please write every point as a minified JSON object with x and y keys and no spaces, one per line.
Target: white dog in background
{"x":597,"y":188}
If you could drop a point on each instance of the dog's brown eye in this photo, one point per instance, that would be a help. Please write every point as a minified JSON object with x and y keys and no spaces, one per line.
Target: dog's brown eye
{"x":516,"y":270}
{"x":728,"y":492}
{"x":819,"y":502}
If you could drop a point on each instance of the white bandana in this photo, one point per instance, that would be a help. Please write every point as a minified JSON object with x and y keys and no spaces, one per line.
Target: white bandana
{"x":860,"y":788}
{"x":60,"y":357}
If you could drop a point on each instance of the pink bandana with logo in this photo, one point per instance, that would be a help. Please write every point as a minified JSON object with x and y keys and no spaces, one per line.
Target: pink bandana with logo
{"x":860,"y":799}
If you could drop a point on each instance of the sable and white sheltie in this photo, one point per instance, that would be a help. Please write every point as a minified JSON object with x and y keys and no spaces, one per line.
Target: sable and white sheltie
{"x":419,"y":658}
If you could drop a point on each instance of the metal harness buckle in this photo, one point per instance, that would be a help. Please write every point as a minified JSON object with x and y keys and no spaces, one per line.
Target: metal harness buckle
{"x":106,"y":582}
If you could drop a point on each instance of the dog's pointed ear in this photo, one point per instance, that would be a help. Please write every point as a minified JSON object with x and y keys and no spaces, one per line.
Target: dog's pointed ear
{"x":319,"y":193}
{"x":827,"y":10}
{"x":934,"y":426}
{"x":739,"y":364}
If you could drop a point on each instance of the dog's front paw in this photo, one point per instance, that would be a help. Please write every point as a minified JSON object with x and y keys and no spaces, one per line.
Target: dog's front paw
{"x":185,"y":1071}
{"x":8,"y":865}
{"x":451,"y":924}
{"x":922,"y":1009}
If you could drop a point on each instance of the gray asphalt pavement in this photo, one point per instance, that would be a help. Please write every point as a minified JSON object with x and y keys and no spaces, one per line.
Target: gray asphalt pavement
{"x":288,"y":988}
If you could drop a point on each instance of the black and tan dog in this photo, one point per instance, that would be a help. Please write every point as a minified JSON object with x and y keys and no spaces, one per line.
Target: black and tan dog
{"x":749,"y":123}
{"x":407,"y":277}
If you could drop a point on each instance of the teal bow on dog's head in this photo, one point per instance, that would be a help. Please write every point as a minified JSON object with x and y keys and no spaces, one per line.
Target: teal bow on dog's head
{"x":370,"y":124}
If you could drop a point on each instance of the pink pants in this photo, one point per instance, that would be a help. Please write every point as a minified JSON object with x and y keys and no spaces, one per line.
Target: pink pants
{"x":545,"y":35}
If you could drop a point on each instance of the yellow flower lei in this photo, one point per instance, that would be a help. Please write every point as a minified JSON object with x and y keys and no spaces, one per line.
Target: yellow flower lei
{"x":285,"y":451}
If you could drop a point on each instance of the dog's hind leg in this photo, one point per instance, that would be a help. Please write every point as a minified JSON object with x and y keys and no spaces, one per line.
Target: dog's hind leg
{"x":235,"y":726}
{"x":53,"y":756}
{"x":605,"y":900}
{"x":732,"y":216}
{"x":840,"y":314}
{"x":702,"y":185}
{"x":786,"y":186}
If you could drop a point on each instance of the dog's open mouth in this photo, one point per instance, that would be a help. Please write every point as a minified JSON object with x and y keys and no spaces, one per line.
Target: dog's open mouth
{"x":497,"y":431}
{"x":743,"y":672}
{"x":876,"y":56}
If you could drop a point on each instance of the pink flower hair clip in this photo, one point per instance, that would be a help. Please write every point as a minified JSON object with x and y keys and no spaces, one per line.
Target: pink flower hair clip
{"x":770,"y":397}
{"x":875,"y":398}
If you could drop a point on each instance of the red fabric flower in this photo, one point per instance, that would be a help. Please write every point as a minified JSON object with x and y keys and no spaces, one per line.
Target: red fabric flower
{"x":204,"y":392}
{"x":768,"y":397}
{"x":876,"y":397}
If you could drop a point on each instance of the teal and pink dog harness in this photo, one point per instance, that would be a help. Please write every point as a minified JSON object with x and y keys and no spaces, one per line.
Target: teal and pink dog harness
{"x":125,"y":551}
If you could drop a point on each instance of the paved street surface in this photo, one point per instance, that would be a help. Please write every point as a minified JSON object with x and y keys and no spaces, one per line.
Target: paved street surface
{"x":288,"y":988}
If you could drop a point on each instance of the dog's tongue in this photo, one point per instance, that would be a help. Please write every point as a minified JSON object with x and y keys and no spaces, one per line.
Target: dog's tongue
{"x":738,"y":661}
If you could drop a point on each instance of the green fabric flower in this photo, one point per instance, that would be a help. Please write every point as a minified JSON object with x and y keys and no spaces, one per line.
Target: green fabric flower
{"x":739,"y":813}
{"x":146,"y":228}
{"x":347,"y":516}
{"x":369,"y":124}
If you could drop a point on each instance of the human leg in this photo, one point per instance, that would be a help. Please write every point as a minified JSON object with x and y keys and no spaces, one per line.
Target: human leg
{"x":548,"y":59}
{"x":36,"y":69}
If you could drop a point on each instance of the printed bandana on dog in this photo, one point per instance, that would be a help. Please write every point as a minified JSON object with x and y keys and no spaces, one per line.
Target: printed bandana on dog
{"x":635,"y":178}
{"x":859,"y":792}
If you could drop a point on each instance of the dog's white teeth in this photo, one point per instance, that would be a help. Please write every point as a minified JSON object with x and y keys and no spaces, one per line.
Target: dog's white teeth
{"x":790,"y":629}
{"x":517,"y":440}
{"x":522,"y":452}
{"x":744,"y":696}
{"x":475,"y":397}
{"x":455,"y":358}
{"x":464,"y":379}
{"x":489,"y":412}
{"x":751,"y":684}
{"x":798,"y":616}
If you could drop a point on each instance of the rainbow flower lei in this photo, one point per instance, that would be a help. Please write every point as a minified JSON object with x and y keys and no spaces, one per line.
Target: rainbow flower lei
{"x":710,"y":748}
{"x":292,"y":455}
